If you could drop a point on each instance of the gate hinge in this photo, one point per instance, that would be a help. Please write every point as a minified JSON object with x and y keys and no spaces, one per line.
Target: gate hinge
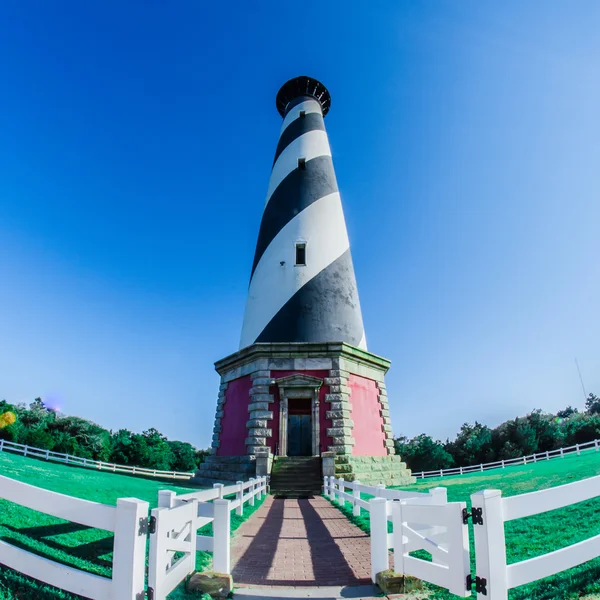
{"x":480,"y":584}
{"x":147,"y":525}
{"x":152,"y":526}
{"x":476,"y":513}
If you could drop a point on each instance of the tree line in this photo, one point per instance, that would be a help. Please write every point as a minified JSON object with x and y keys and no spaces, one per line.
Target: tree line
{"x":476,"y":444}
{"x":39,"y":426}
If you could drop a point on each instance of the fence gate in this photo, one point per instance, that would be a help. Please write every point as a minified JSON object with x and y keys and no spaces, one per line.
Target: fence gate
{"x":172,"y":530}
{"x":440,"y":530}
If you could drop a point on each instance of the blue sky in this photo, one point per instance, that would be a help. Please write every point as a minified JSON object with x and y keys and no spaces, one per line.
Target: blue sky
{"x":135,"y":147}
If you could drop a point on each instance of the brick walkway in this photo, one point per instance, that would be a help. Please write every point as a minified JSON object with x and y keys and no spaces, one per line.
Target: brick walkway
{"x":300,"y":543}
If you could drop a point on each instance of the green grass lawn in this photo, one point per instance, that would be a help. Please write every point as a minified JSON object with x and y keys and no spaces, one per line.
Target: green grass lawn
{"x":70,"y":543}
{"x":536,"y":535}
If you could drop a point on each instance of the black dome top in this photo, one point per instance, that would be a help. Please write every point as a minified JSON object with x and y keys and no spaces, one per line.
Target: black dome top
{"x":302,"y":86}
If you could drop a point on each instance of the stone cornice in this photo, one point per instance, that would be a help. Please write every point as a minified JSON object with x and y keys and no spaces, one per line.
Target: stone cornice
{"x":301,"y":350}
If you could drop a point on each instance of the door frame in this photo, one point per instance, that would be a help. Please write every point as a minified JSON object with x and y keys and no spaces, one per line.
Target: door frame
{"x":299,"y":386}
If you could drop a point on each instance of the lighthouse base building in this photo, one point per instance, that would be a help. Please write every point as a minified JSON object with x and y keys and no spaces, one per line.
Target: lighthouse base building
{"x":320,"y":400}
{"x":303,"y":397}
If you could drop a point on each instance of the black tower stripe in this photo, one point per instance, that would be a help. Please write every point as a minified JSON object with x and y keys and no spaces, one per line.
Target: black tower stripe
{"x":298,"y":127}
{"x":298,"y":190}
{"x":326,"y":309}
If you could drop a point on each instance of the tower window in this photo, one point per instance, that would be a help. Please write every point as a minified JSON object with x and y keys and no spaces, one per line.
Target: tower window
{"x":300,"y":254}
{"x":302,"y":164}
{"x":302,"y":114}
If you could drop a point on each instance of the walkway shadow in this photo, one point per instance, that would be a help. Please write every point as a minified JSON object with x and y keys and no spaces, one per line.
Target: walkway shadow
{"x":264,"y":545}
{"x":330,"y":566}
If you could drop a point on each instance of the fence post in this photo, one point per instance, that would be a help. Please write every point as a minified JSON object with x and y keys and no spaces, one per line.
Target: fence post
{"x":562,"y":454}
{"x":439,"y":496}
{"x":221,"y":533}
{"x":461,"y":472}
{"x":47,"y":454}
{"x":252,"y":490}
{"x":332,"y":487}
{"x":356,"y":496}
{"x":25,"y":450}
{"x":239,"y":495}
{"x":379,"y":486}
{"x":129,"y":554}
{"x":577,"y":448}
{"x":481,"y":467}
{"x":326,"y":486}
{"x":1,"y":445}
{"x":379,"y":549}
{"x":219,"y":488}
{"x":166,"y":499}
{"x":490,"y":543}
{"x":595,"y":445}
{"x":503,"y":464}
{"x":342,"y":489}
{"x":398,"y":536}
{"x":547,"y":455}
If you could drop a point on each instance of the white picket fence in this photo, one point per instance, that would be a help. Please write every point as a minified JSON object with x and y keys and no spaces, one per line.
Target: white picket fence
{"x":88,"y":462}
{"x":173,"y":527}
{"x":428,"y":522}
{"x":494,"y":576}
{"x":521,"y":460}
{"x":124,"y":519}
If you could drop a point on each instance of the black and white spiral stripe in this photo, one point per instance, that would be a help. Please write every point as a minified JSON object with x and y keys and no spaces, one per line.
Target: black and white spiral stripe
{"x":317,"y":302}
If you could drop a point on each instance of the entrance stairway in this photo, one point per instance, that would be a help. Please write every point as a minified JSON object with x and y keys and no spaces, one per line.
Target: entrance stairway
{"x":296,"y":476}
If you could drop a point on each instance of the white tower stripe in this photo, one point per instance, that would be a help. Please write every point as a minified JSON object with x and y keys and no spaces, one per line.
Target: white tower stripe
{"x":308,"y":146}
{"x":308,"y":106}
{"x":322,"y":227}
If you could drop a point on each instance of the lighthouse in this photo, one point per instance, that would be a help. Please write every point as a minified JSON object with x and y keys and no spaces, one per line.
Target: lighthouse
{"x":302,"y":396}
{"x":302,"y":285}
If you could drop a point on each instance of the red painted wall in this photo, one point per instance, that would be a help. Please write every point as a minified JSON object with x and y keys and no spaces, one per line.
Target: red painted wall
{"x":324,"y":423}
{"x":368,"y":435}
{"x":235,"y":416}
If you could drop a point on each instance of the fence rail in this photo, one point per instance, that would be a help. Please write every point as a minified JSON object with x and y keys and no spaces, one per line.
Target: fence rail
{"x":69,"y":459}
{"x":129,"y":553}
{"x":521,"y":460}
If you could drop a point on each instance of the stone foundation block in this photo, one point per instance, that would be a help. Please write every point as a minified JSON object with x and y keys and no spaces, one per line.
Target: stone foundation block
{"x":338,"y":414}
{"x":340,"y":441}
{"x":339,"y":431}
{"x":341,"y":405}
{"x":393,"y":583}
{"x":261,"y":414}
{"x":258,"y":406}
{"x":217,"y":585}
{"x":342,"y":423}
{"x":258,"y":389}
{"x":255,"y":441}
{"x":260,"y":432}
